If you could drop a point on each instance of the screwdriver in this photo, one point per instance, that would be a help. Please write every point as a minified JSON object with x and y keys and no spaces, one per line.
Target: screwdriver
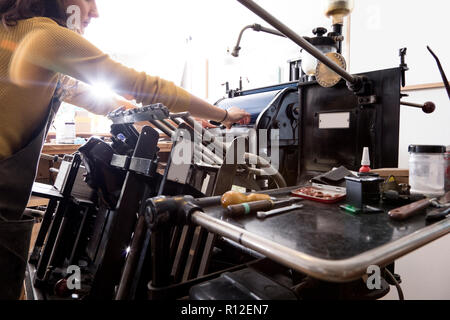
{"x":266,"y":214}
{"x":233,"y":197}
{"x":257,"y":206}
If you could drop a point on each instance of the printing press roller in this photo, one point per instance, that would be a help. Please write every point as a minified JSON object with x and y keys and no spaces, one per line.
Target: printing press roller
{"x":256,"y":101}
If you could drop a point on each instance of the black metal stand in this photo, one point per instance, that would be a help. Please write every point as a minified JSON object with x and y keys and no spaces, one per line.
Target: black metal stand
{"x":141,"y":175}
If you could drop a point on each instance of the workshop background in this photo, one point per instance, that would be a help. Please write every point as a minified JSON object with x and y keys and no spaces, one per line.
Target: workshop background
{"x":189,"y":43}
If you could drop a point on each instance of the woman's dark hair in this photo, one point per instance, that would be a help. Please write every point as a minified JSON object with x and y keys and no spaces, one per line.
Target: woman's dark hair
{"x":12,"y":11}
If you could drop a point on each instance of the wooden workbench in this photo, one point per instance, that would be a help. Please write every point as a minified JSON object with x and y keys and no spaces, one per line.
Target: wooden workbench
{"x":60,"y":149}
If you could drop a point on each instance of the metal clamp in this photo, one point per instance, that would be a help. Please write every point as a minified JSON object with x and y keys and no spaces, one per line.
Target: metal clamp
{"x":162,"y":211}
{"x":143,"y":166}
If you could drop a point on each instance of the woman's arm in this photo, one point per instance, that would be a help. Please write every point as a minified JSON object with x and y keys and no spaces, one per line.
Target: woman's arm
{"x":82,"y":95}
{"x":51,"y":49}
{"x":202,"y":109}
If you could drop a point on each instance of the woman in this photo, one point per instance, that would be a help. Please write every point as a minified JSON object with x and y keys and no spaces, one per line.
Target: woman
{"x":37,"y":52}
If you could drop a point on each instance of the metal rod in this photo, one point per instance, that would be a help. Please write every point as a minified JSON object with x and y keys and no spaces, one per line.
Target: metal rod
{"x":207,"y":135}
{"x":268,"y":169}
{"x":179,"y":115}
{"x":50,"y":158}
{"x":266,"y":16}
{"x":441,"y":70}
{"x":278,"y":178}
{"x":161,"y":127}
{"x":168,"y":124}
{"x":410,"y":104}
{"x":131,"y":263}
{"x":258,"y":28}
{"x":208,"y":156}
{"x":255,"y":27}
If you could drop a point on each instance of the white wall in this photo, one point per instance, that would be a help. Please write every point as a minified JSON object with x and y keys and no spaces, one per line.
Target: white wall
{"x":151,"y":36}
{"x":417,"y":127}
{"x":379,"y":29}
{"x":424,"y":272}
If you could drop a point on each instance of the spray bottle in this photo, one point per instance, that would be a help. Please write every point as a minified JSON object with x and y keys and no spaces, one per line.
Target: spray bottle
{"x":365,"y":163}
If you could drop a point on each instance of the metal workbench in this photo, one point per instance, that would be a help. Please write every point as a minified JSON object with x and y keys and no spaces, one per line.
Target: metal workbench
{"x":321,"y":240}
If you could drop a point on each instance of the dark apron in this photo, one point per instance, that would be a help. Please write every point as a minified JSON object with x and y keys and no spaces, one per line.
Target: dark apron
{"x":17,"y":175}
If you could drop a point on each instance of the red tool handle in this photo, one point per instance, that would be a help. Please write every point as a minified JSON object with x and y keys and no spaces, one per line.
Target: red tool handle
{"x":409,"y":210}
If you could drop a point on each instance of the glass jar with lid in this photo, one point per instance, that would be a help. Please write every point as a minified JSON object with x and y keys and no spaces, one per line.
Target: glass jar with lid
{"x":427,"y":170}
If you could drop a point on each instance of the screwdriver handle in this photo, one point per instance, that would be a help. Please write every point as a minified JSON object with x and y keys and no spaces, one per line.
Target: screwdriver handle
{"x":409,"y":210}
{"x":249,"y":207}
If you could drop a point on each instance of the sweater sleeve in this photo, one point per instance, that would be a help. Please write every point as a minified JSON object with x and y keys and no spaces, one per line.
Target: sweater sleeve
{"x":50,"y":49}
{"x":82,"y":95}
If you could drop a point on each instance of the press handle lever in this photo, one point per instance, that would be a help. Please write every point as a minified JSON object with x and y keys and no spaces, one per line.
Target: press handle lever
{"x":427,"y":107}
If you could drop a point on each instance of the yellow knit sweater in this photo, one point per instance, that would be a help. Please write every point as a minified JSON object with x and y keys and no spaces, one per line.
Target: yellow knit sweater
{"x":34,"y":52}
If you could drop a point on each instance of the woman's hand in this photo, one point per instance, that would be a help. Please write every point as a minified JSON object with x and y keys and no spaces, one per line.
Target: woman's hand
{"x":236,"y":115}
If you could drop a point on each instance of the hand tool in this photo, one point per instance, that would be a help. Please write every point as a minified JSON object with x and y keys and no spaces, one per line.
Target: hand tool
{"x":412,"y":209}
{"x":266,"y":214}
{"x":233,"y":198}
{"x":438,"y":214}
{"x":253,"y":207}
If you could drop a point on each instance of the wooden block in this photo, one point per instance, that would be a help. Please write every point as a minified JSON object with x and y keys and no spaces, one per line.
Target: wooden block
{"x":43,"y":174}
{"x":401,"y":175}
{"x":34,"y":235}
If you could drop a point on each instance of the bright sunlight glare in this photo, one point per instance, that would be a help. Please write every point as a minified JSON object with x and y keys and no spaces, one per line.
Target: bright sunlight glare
{"x":102,"y":91}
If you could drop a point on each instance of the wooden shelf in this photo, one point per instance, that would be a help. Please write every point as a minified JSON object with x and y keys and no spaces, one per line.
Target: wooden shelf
{"x":57,"y":149}
{"x":37,"y":202}
{"x":52,"y":135}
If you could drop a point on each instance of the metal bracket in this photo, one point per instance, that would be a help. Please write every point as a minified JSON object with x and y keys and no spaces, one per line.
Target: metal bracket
{"x":147,"y":113}
{"x":403,"y":65}
{"x":162,"y":212}
{"x":122,"y":162}
{"x":367,"y":100}
{"x":361,"y":87}
{"x":146,"y":167}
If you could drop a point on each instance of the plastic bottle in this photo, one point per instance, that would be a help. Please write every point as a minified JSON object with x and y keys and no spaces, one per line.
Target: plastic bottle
{"x":365,"y":163}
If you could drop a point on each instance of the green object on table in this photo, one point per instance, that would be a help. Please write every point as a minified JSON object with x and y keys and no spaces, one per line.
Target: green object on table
{"x":350,"y":209}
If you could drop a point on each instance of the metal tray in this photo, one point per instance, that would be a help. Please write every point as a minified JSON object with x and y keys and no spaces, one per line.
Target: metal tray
{"x":335,"y":194}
